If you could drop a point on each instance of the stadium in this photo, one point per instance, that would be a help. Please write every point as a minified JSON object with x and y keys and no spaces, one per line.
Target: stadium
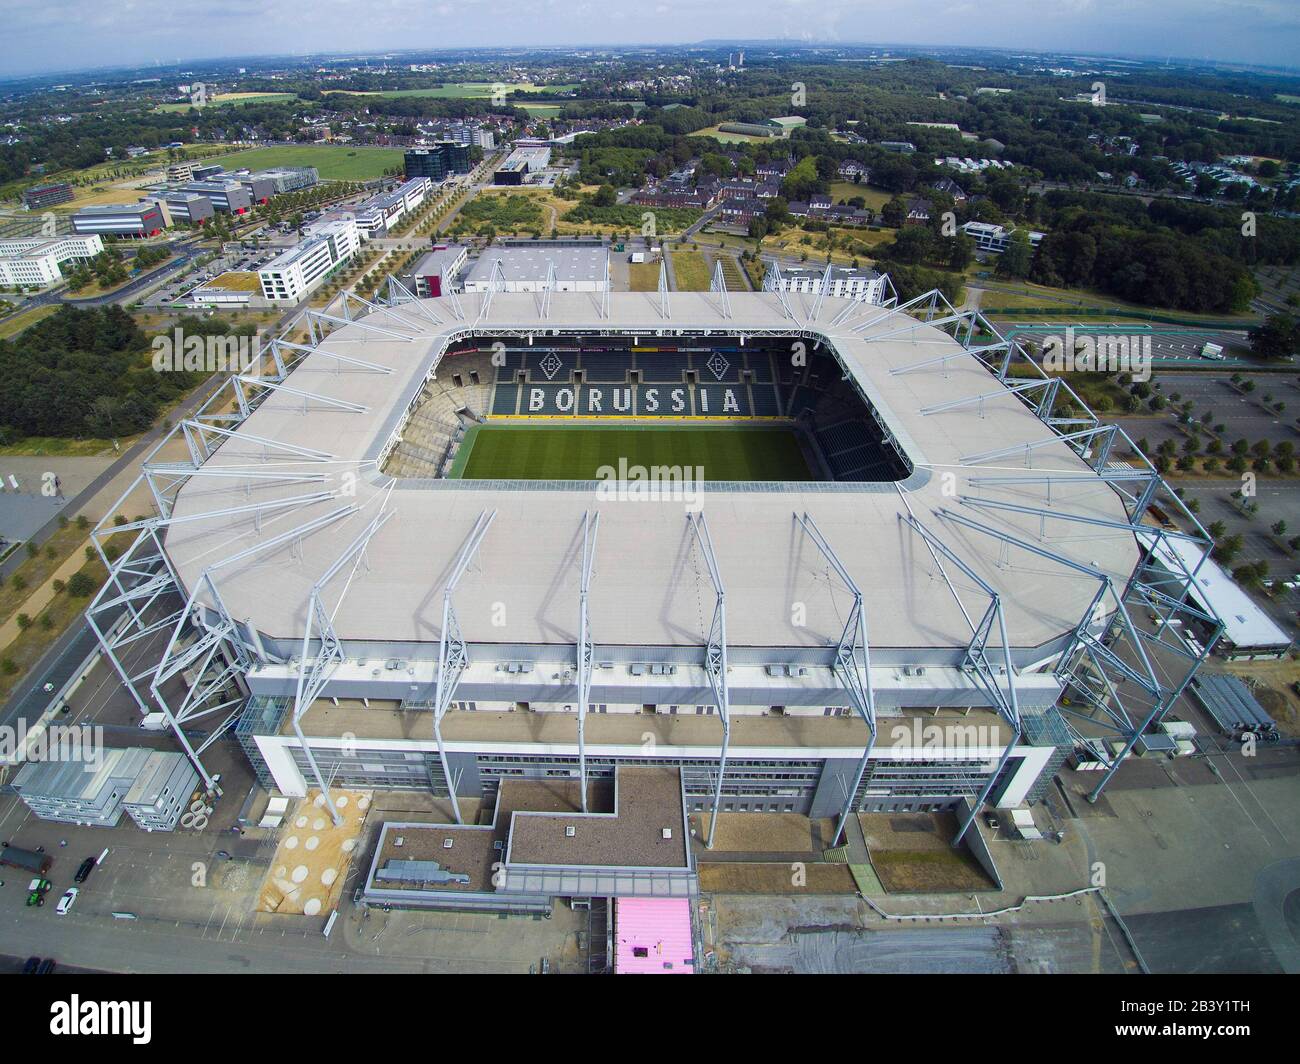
{"x":625,"y":562}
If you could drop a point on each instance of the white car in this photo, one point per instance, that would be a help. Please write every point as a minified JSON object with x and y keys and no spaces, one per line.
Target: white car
{"x":66,"y":902}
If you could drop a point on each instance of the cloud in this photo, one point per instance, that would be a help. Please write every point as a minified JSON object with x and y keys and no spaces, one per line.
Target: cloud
{"x":71,"y":34}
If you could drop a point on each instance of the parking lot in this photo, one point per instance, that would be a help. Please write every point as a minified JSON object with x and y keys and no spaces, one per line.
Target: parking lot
{"x":1169,"y":343}
{"x":246,"y":259}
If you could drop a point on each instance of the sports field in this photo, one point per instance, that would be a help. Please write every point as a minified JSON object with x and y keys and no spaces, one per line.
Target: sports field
{"x":724,"y":452}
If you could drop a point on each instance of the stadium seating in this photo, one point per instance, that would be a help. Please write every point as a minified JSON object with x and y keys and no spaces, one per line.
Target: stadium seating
{"x":727,"y":381}
{"x":609,"y":367}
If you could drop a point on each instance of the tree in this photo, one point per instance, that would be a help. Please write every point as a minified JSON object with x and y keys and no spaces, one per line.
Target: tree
{"x":1228,"y":548}
{"x":81,"y":585}
{"x":1277,"y":337}
{"x":1018,"y":259}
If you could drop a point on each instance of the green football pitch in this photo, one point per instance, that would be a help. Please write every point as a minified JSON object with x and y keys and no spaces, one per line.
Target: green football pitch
{"x":507,"y":452}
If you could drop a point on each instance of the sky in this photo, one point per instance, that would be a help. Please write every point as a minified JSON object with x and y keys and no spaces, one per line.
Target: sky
{"x":38,"y":36}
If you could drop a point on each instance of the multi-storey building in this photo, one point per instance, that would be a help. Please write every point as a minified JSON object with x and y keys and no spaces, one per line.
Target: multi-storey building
{"x":289,"y":277}
{"x":142,"y":219}
{"x":39,"y":262}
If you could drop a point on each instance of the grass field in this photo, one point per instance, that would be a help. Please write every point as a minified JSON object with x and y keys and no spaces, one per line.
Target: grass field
{"x":11,"y":327}
{"x":722,"y":452}
{"x":875,"y":198}
{"x":335,"y":163}
{"x":459,"y":90}
{"x":643,"y":276}
{"x":691,"y":271}
{"x":730,"y":138}
{"x":226,"y":99}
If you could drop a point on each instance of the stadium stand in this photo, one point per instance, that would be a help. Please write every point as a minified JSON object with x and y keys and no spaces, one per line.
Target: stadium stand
{"x":580,"y":381}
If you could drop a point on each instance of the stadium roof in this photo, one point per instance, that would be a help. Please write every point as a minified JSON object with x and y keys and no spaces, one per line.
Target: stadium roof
{"x":650,"y":586}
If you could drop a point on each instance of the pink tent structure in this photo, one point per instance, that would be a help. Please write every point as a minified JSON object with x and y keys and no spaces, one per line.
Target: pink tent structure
{"x":652,"y":936}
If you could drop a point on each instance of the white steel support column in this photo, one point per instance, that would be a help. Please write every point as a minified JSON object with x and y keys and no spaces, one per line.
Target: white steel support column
{"x":715,"y":658}
{"x":586,"y":651}
{"x":314,"y":670}
{"x":852,"y":663}
{"x":453,"y":657}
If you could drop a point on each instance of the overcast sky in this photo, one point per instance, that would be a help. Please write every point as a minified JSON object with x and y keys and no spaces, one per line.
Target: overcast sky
{"x":49,"y":35}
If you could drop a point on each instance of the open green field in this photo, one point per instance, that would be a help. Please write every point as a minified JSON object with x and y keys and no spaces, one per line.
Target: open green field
{"x":691,"y":271}
{"x":459,"y":90}
{"x":874,"y":198}
{"x":228,"y":99}
{"x":548,"y":452}
{"x":334,"y":162}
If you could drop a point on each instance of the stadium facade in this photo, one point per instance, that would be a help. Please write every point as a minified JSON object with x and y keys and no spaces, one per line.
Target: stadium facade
{"x":935,"y":625}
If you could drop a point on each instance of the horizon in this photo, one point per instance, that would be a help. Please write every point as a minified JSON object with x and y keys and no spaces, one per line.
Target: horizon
{"x":153,"y":34}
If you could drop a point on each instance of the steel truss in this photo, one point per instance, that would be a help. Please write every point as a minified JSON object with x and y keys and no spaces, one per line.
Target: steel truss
{"x":1114,"y":692}
{"x":976,"y":661}
{"x":852,"y":662}
{"x":453,"y":655}
{"x":665,"y":307}
{"x":143,"y":597}
{"x":315,"y":670}
{"x":718,"y":284}
{"x":586,"y":652}
{"x":715,"y":657}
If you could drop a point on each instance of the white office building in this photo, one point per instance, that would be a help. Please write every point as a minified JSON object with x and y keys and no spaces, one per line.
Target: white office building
{"x":995,"y":239}
{"x":378,"y":214}
{"x":864,"y":286}
{"x":289,"y":277}
{"x":39,"y":261}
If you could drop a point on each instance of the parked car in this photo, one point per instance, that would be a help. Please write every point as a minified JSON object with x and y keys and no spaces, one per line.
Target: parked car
{"x":83,"y":871}
{"x":47,"y":966}
{"x":67,"y":901}
{"x":32,"y":966}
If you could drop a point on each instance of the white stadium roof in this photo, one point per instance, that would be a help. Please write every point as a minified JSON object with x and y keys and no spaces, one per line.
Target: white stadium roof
{"x":650,"y":586}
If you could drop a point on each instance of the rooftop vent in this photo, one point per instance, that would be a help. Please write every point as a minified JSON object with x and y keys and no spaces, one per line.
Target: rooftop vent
{"x":447,"y":843}
{"x":668,"y":833}
{"x":570,"y":831}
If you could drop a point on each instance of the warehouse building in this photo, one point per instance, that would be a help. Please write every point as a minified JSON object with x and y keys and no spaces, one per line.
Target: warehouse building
{"x":524,"y":267}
